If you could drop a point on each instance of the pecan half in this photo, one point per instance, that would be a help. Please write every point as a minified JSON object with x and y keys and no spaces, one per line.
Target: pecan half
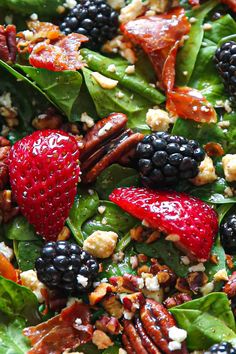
{"x":8,"y":43}
{"x":4,"y":152}
{"x":230,"y":286}
{"x":109,"y":325}
{"x":176,"y":300}
{"x":106,"y":142}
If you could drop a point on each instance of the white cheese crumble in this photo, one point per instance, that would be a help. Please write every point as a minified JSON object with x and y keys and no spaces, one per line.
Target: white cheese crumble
{"x":119,"y":94}
{"x":128,"y":315}
{"x":177,"y":334}
{"x":6,"y":251}
{"x":130,"y":69}
{"x":104,"y":81}
{"x":229,"y":167}
{"x":206,"y":174}
{"x":70,"y":4}
{"x":192,"y":20}
{"x":207,"y":26}
{"x":111,"y":68}
{"x":173,"y":238}
{"x":78,"y":321}
{"x":101,"y":209}
{"x":221,"y":275}
{"x":207,"y":288}
{"x":152,"y":284}
{"x":30,"y":280}
{"x":28,"y":35}
{"x":158,"y":119}
{"x":185,"y":260}
{"x":197,"y":268}
{"x":85,"y":118}
{"x":131,"y":11}
{"x":173,"y":345}
{"x":82,"y":280}
{"x":34,"y":17}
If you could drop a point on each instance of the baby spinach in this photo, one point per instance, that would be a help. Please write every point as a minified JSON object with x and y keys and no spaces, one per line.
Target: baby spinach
{"x":113,"y":177}
{"x":20,"y":229}
{"x":167,"y":252}
{"x":12,"y":340}
{"x":112,"y":269}
{"x":107,"y":101}
{"x":27,"y":7}
{"x":208,"y":320}
{"x":187,"y":55}
{"x":62,"y":88}
{"x":134,"y":82}
{"x":231,"y":131}
{"x":17,"y":300}
{"x":84,"y":207}
{"x":113,"y":219}
{"x":26,"y":253}
{"x":111,"y":350}
{"x":89,"y":348}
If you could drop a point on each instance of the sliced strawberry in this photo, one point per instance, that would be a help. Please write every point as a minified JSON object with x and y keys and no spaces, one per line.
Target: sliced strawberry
{"x":191,"y":221}
{"x":44,"y":173}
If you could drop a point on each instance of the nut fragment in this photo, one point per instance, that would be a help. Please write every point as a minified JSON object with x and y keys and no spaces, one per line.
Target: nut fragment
{"x":48,"y":120}
{"x":101,"y":244}
{"x":101,"y":339}
{"x":176,"y":300}
{"x":8,"y":43}
{"x":113,"y":306}
{"x":109,"y":325}
{"x":7,"y":208}
{"x":4,"y":152}
{"x":230,"y":286}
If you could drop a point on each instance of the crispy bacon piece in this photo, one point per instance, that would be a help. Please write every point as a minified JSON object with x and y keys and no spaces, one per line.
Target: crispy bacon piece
{"x":160,"y":37}
{"x":61,"y":332}
{"x":8,"y":43}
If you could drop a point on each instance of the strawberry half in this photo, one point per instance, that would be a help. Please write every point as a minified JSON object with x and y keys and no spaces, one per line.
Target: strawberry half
{"x":44,"y":173}
{"x":191,"y":222}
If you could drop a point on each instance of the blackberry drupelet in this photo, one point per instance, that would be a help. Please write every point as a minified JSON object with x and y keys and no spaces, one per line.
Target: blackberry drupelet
{"x":221,"y":348}
{"x":228,"y":234}
{"x":225,"y":59}
{"x":64,"y":265}
{"x":165,"y":159}
{"x":93,"y":18}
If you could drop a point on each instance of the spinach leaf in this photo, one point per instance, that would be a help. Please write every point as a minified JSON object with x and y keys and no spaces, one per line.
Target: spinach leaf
{"x":107,"y":101}
{"x":208,"y":320}
{"x":26,"y":253}
{"x":111,"y":350}
{"x":84,"y":207}
{"x":17,"y":300}
{"x":113,"y":177}
{"x":20,"y":229}
{"x":62,"y":88}
{"x":231,"y":132}
{"x":135,"y":82}
{"x":12,"y":340}
{"x":187,"y":55}
{"x":113,"y":219}
{"x":89,"y":348}
{"x":27,"y":7}
{"x":167,"y":252}
{"x":112,"y":269}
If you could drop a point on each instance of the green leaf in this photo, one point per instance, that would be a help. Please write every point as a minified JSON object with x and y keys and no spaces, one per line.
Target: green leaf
{"x":231,"y":132}
{"x":27,"y":7}
{"x":208,"y":320}
{"x":113,"y":219}
{"x":26,"y":253}
{"x":111,"y":350}
{"x":106,"y":101}
{"x":89,"y":348}
{"x":20,"y":229}
{"x":84,"y":207}
{"x":187,"y":55}
{"x":17,"y":300}
{"x":167,"y":252}
{"x":112,"y":269}
{"x":12,"y":340}
{"x":113,"y":177}
{"x":62,"y":87}
{"x":135,"y":82}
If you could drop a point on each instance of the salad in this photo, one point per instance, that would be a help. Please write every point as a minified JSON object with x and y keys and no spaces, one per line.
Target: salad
{"x":117,"y":176}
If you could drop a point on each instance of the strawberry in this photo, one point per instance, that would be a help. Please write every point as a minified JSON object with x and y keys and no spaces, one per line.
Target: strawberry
{"x":189,"y":220}
{"x":44,"y":173}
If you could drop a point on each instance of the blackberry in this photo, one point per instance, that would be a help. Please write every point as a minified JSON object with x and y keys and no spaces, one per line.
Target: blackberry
{"x":225,"y":59}
{"x":228,"y":234}
{"x":222,"y":348}
{"x":165,"y":159}
{"x":64,"y":265}
{"x":93,"y":18}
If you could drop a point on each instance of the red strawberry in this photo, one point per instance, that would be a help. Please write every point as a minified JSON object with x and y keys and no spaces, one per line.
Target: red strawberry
{"x":194,"y":221}
{"x":44,"y":173}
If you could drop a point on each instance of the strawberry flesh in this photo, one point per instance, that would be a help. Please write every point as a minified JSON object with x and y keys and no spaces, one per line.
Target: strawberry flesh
{"x":194,"y":221}
{"x":44,"y":173}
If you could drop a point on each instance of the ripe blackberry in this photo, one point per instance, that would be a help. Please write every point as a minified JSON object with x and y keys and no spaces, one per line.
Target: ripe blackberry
{"x":228,"y":234}
{"x":222,"y":348}
{"x":165,"y":159}
{"x":93,"y":18}
{"x":225,"y":59}
{"x":64,"y":265}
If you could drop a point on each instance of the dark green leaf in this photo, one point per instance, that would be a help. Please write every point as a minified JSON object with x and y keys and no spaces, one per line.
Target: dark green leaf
{"x":167,"y":252}
{"x":111,"y":350}
{"x":26,"y":253}
{"x":17,"y":300}
{"x":27,"y":7}
{"x":20,"y":229}
{"x":106,"y":101}
{"x":84,"y":207}
{"x":112,"y":269}
{"x":89,"y":348}
{"x":208,"y":320}
{"x":62,"y":88}
{"x":113,"y":219}
{"x":135,"y":82}
{"x":12,"y":340}
{"x":113,"y":177}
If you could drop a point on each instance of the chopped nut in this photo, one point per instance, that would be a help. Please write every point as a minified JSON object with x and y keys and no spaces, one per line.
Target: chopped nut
{"x":229,"y":261}
{"x":214,"y":259}
{"x":177,"y":299}
{"x":143,"y":269}
{"x":229,"y":167}
{"x":64,"y":234}
{"x":7,"y":209}
{"x":101,"y":339}
{"x":207,"y":288}
{"x":49,"y":120}
{"x":105,"y":82}
{"x":30,"y":280}
{"x":206,"y":173}
{"x":173,"y":238}
{"x":113,"y":306}
{"x":221,"y":275}
{"x":132,"y":302}
{"x":118,"y":257}
{"x":130,"y":69}
{"x":100,"y":292}
{"x":155,"y":235}
{"x":101,"y":244}
{"x":8,"y":48}
{"x":108,"y":325}
{"x":6,"y":251}
{"x":158,"y":120}
{"x":134,"y":262}
{"x":136,"y":234}
{"x":214,"y":149}
{"x":230,"y":286}
{"x":196,"y":281}
{"x":134,"y":9}
{"x":142,"y":258}
{"x":183,"y":286}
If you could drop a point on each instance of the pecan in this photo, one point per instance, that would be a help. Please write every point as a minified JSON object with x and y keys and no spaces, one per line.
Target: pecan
{"x":132,"y":302}
{"x":166,"y":277}
{"x":176,"y":300}
{"x":104,"y":144}
{"x":48,"y":120}
{"x":133,"y":339}
{"x":4,"y":152}
{"x":100,"y":292}
{"x":182,"y":285}
{"x":196,"y":280}
{"x":7,"y":208}
{"x":101,"y":339}
{"x":8,"y":43}
{"x":109,"y":325}
{"x":214,"y":149}
{"x":229,"y":261}
{"x":113,"y":306}
{"x":230,"y":286}
{"x":132,"y":282}
{"x":143,"y":269}
{"x":214,"y":259}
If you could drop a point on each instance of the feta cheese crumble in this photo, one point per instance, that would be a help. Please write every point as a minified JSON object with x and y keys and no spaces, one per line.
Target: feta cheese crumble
{"x":82,"y":280}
